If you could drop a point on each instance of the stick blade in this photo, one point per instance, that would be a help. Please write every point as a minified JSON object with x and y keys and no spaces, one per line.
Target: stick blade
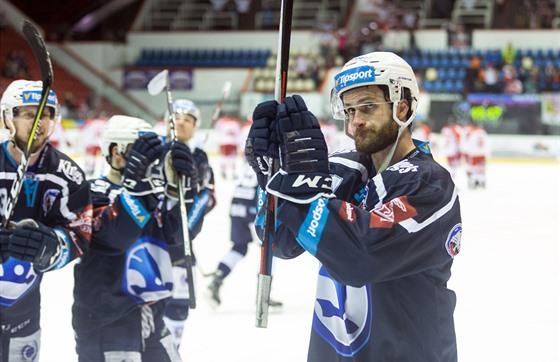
{"x":158,"y":83}
{"x":37,"y":43}
{"x":227,"y":89}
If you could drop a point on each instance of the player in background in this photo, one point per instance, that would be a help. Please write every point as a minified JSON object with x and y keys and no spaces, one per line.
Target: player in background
{"x":421,"y":131}
{"x":88,"y":145}
{"x":451,"y":139}
{"x":242,"y":212}
{"x":227,"y":131}
{"x":51,"y":221}
{"x":187,"y":118}
{"x":384,"y":221}
{"x":123,"y":283}
{"x":330,"y":131}
{"x":58,"y":138}
{"x":475,"y":149}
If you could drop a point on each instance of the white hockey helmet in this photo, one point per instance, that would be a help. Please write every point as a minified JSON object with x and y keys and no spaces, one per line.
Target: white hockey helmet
{"x":186,"y":106}
{"x":377,"y":68}
{"x":26,"y":93}
{"x":122,"y":131}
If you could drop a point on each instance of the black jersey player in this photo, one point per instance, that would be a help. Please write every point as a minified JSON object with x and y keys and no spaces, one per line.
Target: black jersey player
{"x":51,"y":221}
{"x":384,"y":220}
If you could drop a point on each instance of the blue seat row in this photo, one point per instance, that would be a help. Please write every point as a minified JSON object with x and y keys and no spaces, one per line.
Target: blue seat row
{"x":444,"y":86}
{"x":204,"y":57}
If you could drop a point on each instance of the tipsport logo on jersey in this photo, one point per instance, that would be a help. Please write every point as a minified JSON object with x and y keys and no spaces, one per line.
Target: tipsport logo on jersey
{"x":354,"y":76}
{"x":34,"y":97}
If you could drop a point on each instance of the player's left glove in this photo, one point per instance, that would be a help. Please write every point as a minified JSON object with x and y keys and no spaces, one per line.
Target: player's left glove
{"x":304,"y":175}
{"x":34,"y":242}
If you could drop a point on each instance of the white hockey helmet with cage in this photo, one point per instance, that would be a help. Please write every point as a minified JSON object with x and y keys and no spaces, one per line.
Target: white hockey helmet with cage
{"x":26,"y":93}
{"x":186,"y":106}
{"x":377,"y":68}
{"x":122,"y":131}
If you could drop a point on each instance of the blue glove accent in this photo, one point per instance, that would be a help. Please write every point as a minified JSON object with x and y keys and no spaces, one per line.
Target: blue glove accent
{"x":34,"y":242}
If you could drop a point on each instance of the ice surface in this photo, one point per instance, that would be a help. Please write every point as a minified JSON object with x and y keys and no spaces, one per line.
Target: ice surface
{"x":507,"y":281}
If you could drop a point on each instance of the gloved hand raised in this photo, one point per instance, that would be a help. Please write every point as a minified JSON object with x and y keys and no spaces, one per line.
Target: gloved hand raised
{"x":145,"y":151}
{"x":179,"y":162}
{"x":261,"y":146}
{"x":304,"y":175}
{"x":34,"y":242}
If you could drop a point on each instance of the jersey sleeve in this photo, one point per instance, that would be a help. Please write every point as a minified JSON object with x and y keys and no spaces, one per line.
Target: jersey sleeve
{"x":406,"y":224}
{"x":118,"y":217}
{"x":70,"y":215}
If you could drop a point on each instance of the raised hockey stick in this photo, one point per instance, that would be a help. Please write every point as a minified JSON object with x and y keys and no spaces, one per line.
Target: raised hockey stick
{"x":37,"y":43}
{"x":265,"y":274}
{"x":226,"y":90}
{"x":158,"y":83}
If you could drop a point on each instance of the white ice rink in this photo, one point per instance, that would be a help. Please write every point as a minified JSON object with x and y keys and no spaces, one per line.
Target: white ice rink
{"x":507,"y":281}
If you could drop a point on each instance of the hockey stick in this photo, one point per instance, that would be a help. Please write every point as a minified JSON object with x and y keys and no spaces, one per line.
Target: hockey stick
{"x":225,"y":94}
{"x":158,"y":83}
{"x":265,"y":274}
{"x":37,"y":43}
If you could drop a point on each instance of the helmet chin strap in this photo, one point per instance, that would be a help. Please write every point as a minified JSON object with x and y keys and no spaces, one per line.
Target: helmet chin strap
{"x":402,"y":127}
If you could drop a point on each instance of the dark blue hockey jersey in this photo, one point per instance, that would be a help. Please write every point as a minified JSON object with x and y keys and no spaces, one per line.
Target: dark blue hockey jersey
{"x":132,"y":253}
{"x":55,"y":193}
{"x":386,"y":245}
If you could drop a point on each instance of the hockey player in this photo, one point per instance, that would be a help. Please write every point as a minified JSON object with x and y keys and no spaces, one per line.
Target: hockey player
{"x":475,"y":148}
{"x":227,"y":130}
{"x":187,"y":117}
{"x":451,"y":135}
{"x":122,"y":284}
{"x":384,"y":221}
{"x":51,"y":221}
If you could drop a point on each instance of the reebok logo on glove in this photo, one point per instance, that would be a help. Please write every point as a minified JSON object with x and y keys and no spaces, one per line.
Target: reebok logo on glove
{"x":315,"y":182}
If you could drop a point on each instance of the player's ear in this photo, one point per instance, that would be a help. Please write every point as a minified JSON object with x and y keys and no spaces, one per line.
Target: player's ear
{"x":402,"y":109}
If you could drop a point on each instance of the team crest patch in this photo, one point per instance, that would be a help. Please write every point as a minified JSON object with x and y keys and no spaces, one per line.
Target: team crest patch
{"x":453,"y":242}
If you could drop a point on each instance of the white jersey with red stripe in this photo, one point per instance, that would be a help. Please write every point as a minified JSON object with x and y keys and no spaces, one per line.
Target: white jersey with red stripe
{"x":451,"y":135}
{"x":227,"y":131}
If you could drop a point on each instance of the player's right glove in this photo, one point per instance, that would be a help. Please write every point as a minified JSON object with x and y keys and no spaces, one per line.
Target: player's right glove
{"x":304,"y":175}
{"x":261,"y":147}
{"x":145,"y":151}
{"x":34,"y":242}
{"x":179,"y":162}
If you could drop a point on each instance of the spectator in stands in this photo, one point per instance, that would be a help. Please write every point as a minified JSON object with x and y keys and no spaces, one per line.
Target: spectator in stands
{"x":508,"y":53}
{"x":301,"y":66}
{"x":491,"y":76}
{"x":473,"y":80}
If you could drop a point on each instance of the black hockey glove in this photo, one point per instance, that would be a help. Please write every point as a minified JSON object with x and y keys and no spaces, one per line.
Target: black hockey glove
{"x":203,"y":166}
{"x":4,"y":244}
{"x":179,"y":162}
{"x":304,"y":175}
{"x":145,"y":151}
{"x":34,"y":242}
{"x":261,"y":147}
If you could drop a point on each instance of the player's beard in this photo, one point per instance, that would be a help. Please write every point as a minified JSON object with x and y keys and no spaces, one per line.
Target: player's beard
{"x":38,"y":142}
{"x":370,"y":141}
